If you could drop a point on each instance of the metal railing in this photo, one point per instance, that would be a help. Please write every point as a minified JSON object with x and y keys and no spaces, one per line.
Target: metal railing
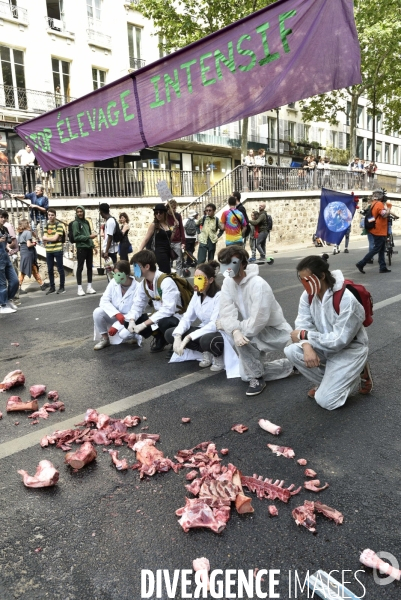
{"x":98,"y":39}
{"x":98,"y":182}
{"x":136,"y":63}
{"x":57,"y":25}
{"x":31,"y":100}
{"x":8,"y":10}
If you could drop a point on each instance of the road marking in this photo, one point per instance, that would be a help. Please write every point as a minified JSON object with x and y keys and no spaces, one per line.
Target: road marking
{"x":33,"y":439}
{"x":46,"y":304}
{"x":384,"y":303}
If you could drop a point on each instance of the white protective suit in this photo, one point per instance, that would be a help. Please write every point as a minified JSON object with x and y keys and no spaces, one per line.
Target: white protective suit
{"x":166,"y":306}
{"x":340,"y":341}
{"x":207,"y":312}
{"x":252,"y":308}
{"x":111,"y":303}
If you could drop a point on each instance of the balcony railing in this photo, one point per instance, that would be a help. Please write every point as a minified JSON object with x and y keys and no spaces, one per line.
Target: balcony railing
{"x":136,"y":63}
{"x":99,"y":39}
{"x":9,"y":11}
{"x":57,"y":25}
{"x":97,"y":182}
{"x":31,"y":100}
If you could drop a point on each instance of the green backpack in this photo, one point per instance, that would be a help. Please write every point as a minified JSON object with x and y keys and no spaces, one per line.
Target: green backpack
{"x":185,"y":288}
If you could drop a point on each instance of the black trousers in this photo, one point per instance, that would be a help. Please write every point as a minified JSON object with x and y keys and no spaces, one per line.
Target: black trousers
{"x":163,"y":325}
{"x":210,"y":342}
{"x":84,"y":255}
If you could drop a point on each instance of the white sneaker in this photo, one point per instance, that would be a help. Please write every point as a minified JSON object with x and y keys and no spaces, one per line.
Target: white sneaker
{"x":5,"y":310}
{"x":218,"y":363}
{"x":206,"y":360}
{"x":90,"y":290}
{"x":11,"y":304}
{"x":81,"y":291}
{"x":104,"y":342}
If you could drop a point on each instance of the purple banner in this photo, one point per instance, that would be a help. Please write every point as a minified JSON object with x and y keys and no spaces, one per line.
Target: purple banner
{"x":288,"y":51}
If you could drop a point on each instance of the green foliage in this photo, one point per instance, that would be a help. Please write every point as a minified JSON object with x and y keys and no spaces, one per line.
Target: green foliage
{"x":340,"y":157}
{"x":379,"y":30}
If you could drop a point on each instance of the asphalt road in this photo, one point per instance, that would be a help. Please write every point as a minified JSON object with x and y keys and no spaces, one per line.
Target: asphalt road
{"x":89,"y":537}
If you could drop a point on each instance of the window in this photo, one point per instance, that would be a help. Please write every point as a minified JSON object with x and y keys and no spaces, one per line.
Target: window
{"x":134,"y":46}
{"x":291,"y":131}
{"x":93,"y":8}
{"x":395,"y":155}
{"x":378,"y":151}
{"x":386,"y":153}
{"x":13,"y":74}
{"x":334,"y":138}
{"x":378,"y":123}
{"x":307,"y":133}
{"x":359,"y":119}
{"x":359,"y":147}
{"x":13,"y":8}
{"x":161,"y":41}
{"x":369,"y":122}
{"x":61,"y":80}
{"x":369,"y":149}
{"x":55,"y":9}
{"x":272,"y":132}
{"x":98,"y":78}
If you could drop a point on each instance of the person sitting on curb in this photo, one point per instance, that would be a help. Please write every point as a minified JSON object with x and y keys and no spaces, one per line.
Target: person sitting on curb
{"x":190,"y":341}
{"x":251,"y":315}
{"x":83,"y":239}
{"x":110,"y":316}
{"x":329,"y":349}
{"x":166,"y":300}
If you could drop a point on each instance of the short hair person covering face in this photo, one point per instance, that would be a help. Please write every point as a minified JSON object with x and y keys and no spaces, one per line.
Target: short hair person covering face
{"x":145,"y":257}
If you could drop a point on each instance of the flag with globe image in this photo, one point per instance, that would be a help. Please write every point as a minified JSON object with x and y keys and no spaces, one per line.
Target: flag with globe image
{"x":336,"y":213}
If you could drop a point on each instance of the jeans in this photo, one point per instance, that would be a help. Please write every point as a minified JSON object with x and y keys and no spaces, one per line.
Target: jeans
{"x":210,"y":342}
{"x":7,"y":274}
{"x":50,"y":256}
{"x":206,"y":251}
{"x":371,"y":239}
{"x":84,"y":254}
{"x":261,"y":243}
{"x":378,"y":248}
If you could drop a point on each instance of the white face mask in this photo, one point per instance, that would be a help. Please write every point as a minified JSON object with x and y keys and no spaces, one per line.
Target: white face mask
{"x":232,"y":269}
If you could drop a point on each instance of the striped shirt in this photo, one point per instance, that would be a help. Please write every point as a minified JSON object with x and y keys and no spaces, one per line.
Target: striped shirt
{"x":50,"y":231}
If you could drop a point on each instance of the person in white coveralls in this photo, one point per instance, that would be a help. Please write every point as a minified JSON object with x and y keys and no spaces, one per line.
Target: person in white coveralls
{"x":252,"y":317}
{"x":329,"y":349}
{"x":109,"y":317}
{"x":212,"y":348}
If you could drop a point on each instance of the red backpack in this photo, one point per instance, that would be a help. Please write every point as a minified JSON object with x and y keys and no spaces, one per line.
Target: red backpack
{"x":361,"y":294}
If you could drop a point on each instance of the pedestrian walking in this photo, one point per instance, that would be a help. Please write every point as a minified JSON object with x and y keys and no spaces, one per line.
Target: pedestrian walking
{"x":191,"y":234}
{"x":83,"y":239}
{"x":12,"y":250}
{"x":253,"y":236}
{"x":53,"y":237}
{"x":376,"y":223}
{"x":253,"y":318}
{"x":28,"y":257}
{"x":235,"y":224}
{"x":263,"y":223}
{"x":329,"y":347}
{"x":8,"y":278}
{"x":211,"y":230}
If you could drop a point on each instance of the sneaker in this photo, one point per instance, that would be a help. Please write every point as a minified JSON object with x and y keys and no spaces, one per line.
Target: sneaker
{"x":80,"y":291}
{"x":51,"y":290}
{"x":360,"y":268}
{"x":218,"y":363}
{"x":90,"y":290}
{"x":102,"y":344}
{"x":251,"y":260}
{"x":5,"y":310}
{"x":61,"y":290}
{"x":21,"y":291}
{"x":16,"y":301}
{"x":256,"y":386}
{"x":12,"y":305}
{"x":206,"y":360}
{"x":312,"y":392}
{"x":169,"y":353}
{"x":366,"y":380}
{"x":385,"y":271}
{"x":43,"y":287}
{"x":158,"y":343}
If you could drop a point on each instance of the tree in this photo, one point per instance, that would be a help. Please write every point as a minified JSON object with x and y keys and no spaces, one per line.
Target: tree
{"x":379,"y":31}
{"x":179,"y":23}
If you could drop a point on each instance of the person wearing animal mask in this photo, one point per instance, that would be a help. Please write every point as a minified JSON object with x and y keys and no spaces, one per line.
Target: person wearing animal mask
{"x":252,"y":317}
{"x":330,"y":344}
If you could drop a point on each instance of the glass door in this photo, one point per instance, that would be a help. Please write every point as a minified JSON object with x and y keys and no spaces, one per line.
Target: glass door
{"x":61,"y":80}
{"x":13,"y":73}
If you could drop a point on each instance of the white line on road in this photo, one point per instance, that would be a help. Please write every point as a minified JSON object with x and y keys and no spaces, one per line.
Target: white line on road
{"x":384,"y":303}
{"x":33,"y":439}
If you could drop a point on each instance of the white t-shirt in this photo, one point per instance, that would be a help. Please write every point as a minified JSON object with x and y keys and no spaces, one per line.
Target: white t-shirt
{"x":109,"y":228}
{"x":26,"y":158}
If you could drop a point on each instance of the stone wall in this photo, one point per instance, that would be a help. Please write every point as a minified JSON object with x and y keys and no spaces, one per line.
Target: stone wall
{"x":294,"y":218}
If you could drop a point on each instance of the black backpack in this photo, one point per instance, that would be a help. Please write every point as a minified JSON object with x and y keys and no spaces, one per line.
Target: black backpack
{"x":63,"y":236}
{"x":370,"y":221}
{"x":118,"y":234}
{"x":269,"y":222}
{"x":190,"y":227}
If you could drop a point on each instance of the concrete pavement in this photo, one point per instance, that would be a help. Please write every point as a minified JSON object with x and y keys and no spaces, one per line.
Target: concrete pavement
{"x":90,"y":536}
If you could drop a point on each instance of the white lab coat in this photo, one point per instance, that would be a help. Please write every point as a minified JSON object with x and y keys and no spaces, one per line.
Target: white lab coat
{"x":113,"y":302}
{"x":167,"y":305}
{"x":340,"y":340}
{"x":252,"y":308}
{"x":207,"y":312}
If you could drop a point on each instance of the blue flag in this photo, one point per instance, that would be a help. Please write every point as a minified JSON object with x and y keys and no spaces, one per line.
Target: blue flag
{"x":336,"y":213}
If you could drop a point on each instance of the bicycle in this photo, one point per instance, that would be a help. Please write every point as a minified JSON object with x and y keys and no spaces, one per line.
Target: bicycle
{"x":390,"y":239}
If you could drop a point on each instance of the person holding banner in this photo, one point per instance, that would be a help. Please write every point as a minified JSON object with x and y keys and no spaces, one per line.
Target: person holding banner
{"x":329,"y":348}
